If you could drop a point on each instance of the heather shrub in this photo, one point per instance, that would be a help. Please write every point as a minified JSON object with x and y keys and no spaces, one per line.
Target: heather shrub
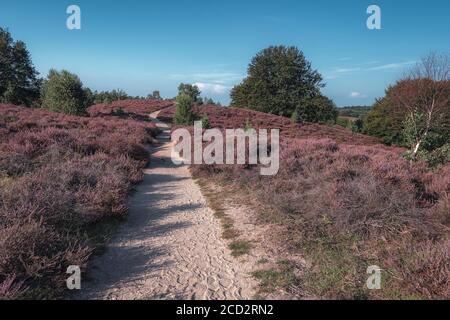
{"x":60,"y":176}
{"x":228,"y":117}
{"x":345,"y":207}
{"x":137,"y":109}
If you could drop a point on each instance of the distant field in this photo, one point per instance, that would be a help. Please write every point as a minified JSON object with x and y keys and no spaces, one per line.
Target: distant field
{"x":354,"y":111}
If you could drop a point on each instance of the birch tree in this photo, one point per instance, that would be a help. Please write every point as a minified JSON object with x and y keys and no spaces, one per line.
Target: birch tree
{"x":424,"y":96}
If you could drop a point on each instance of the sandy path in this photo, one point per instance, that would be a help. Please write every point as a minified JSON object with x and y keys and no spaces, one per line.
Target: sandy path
{"x":170,"y":246}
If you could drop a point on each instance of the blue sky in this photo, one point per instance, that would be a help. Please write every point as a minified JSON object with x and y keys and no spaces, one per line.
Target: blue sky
{"x":142,"y":45}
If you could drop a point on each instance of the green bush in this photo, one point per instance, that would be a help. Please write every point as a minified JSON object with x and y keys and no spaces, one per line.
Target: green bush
{"x":184,"y":113}
{"x":63,"y":92}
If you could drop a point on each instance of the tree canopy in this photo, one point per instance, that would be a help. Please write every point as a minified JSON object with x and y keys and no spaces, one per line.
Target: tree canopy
{"x":190,"y":90}
{"x":279,"y":81}
{"x":19,"y":82}
{"x":380,"y":122}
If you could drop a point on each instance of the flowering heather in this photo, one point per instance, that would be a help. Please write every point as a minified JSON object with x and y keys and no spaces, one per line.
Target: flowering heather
{"x":135,"y":108}
{"x":59,"y":176}
{"x":228,"y":117}
{"x":346,"y":203}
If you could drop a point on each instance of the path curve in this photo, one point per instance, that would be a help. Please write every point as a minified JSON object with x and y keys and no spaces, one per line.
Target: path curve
{"x":170,"y":246}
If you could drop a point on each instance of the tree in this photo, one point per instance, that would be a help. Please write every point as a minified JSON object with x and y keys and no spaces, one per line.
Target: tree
{"x":316,"y":109}
{"x":63,"y":91}
{"x":89,"y":97}
{"x":19,"y":82}
{"x":279,"y":80}
{"x":155,"y":95}
{"x":190,"y":90}
{"x":381,"y":122}
{"x":423,"y":95}
{"x":184,"y":113}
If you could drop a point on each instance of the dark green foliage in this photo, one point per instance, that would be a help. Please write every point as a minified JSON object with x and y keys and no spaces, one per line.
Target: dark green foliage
{"x":315,"y":109}
{"x":190,"y":90}
{"x":19,"y":83}
{"x":434,"y":148}
{"x":210,"y":101}
{"x":89,"y":97}
{"x":279,"y":80}
{"x":356,"y":125}
{"x":247,"y":125}
{"x":155,"y":95}
{"x":354,"y":111}
{"x":63,"y":91}
{"x":381,"y":122}
{"x":205,"y":123}
{"x":184,"y":113}
{"x":107,"y":97}
{"x":438,"y":156}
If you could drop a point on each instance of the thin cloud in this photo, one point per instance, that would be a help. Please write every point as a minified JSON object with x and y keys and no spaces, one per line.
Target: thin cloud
{"x":347,"y":70}
{"x":357,"y":95}
{"x":212,"y":88}
{"x":339,"y":71}
{"x":393,"y":65}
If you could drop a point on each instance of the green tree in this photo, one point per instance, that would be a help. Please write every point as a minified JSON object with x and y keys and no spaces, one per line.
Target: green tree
{"x":190,"y":90}
{"x":184,"y":113}
{"x":63,"y":92}
{"x":19,"y":82}
{"x":279,"y":80}
{"x":89,"y":97}
{"x":316,"y":109}
{"x":383,"y":123}
{"x":155,"y":95}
